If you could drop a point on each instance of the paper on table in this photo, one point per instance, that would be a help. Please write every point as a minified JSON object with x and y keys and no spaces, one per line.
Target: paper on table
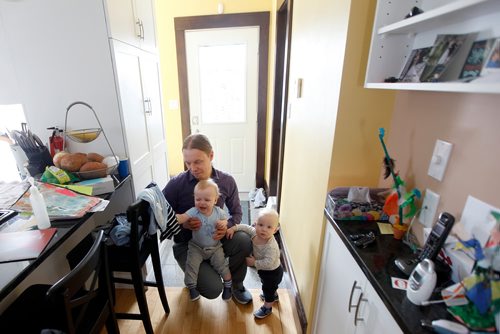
{"x":61,"y":203}
{"x":10,"y":193}
{"x":385,"y":228}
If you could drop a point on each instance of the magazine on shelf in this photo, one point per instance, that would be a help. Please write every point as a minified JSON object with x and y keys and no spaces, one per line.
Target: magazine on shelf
{"x":475,"y":60}
{"x":447,"y":57}
{"x":414,"y":65}
{"x":491,"y":67}
{"x":61,"y":203}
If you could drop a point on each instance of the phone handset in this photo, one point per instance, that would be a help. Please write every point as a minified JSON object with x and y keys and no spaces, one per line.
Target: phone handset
{"x":438,"y":236}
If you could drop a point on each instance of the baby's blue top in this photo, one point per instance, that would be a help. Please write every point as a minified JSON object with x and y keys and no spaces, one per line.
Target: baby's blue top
{"x":204,"y":237}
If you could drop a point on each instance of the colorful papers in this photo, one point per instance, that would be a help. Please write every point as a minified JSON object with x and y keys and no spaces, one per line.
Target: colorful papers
{"x":61,"y":203}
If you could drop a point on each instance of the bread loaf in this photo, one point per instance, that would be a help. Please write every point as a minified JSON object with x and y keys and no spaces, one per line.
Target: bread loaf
{"x":57,"y":158}
{"x":95,"y":157}
{"x":93,"y":170}
{"x":72,"y":162}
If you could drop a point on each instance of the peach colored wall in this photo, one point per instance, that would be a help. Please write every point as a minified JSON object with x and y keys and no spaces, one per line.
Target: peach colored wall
{"x":469,"y":121}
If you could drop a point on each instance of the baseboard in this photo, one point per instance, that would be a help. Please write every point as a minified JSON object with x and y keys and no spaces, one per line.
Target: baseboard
{"x":285,"y":260}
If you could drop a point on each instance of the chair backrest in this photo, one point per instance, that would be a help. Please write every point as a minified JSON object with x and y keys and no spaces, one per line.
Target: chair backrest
{"x":85,"y":292}
{"x":139,"y":216}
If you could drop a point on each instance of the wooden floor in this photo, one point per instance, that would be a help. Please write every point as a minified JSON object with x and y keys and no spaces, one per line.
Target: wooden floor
{"x":207,"y":316}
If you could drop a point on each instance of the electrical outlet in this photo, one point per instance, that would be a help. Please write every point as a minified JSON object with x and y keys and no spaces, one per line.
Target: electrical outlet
{"x":429,"y":208}
{"x":439,"y":160}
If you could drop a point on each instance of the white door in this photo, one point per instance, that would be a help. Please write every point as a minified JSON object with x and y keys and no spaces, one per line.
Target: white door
{"x":223,"y":67}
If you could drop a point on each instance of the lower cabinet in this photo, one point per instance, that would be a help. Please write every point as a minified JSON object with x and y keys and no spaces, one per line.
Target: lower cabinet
{"x":346,"y":300}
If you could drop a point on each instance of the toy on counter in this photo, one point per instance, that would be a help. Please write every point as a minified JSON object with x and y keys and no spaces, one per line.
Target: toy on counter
{"x":399,"y":200}
{"x":481,"y":308}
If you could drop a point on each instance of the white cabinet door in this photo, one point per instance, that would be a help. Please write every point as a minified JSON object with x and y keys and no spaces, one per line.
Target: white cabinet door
{"x":128,"y":71}
{"x":347,"y":302}
{"x":154,"y":117}
{"x":145,"y":16}
{"x":132,"y":22}
{"x":374,"y":314}
{"x":139,"y":88}
{"x":341,"y":284}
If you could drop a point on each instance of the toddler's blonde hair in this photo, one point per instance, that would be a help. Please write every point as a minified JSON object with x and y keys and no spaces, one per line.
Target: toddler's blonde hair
{"x":270,"y":213}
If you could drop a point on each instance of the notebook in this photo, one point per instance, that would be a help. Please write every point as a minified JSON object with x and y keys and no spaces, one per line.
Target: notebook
{"x":25,"y":245}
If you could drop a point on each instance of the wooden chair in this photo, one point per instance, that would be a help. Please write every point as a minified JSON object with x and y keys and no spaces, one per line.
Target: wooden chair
{"x":80,"y":302}
{"x":131,"y":258}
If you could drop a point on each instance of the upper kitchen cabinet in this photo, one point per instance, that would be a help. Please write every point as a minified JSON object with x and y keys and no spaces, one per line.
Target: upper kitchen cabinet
{"x":394,"y":37}
{"x":63,"y":51}
{"x":132,"y":22}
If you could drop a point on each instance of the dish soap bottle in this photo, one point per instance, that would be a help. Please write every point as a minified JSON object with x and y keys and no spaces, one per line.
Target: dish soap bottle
{"x":39,"y":207}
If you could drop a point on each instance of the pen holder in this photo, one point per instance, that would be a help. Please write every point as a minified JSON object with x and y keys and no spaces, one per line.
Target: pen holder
{"x":399,"y":230}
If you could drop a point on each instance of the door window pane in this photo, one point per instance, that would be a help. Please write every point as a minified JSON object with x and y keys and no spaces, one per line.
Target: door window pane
{"x":223,"y":83}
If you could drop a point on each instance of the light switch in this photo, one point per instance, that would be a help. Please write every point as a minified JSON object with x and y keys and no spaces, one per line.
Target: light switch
{"x":439,"y":160}
{"x":429,"y":208}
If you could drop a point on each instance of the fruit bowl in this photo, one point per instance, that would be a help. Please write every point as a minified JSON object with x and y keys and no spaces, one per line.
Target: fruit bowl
{"x":84,"y":135}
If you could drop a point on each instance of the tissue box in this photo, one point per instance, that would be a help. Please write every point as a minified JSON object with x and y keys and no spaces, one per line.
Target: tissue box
{"x":340,"y":208}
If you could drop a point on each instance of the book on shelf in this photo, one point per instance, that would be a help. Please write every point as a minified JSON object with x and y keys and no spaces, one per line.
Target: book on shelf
{"x":490,"y":73}
{"x":446,"y":58}
{"x":475,"y":60}
{"x":61,"y":203}
{"x":414,"y":65}
{"x":24,"y":245}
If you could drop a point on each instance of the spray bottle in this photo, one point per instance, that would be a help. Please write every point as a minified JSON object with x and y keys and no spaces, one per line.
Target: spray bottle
{"x":39,"y":207}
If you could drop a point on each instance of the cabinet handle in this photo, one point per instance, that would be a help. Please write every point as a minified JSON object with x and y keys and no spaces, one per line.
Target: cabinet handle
{"x":140,"y":34}
{"x":148,"y":110}
{"x":360,"y":299}
{"x":139,"y":23}
{"x":354,"y":287}
{"x":142,"y":30}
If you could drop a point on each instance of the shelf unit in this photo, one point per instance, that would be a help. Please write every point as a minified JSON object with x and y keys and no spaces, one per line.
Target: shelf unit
{"x":393,"y":38}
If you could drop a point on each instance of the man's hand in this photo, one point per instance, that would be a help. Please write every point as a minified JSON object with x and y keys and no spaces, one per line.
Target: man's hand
{"x":192,"y":224}
{"x":250,"y":261}
{"x":220,"y":229}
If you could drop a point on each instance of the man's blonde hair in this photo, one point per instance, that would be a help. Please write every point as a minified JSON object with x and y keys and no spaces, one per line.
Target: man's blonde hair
{"x":273,"y":214}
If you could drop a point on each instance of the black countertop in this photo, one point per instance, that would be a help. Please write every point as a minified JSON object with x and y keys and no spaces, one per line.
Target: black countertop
{"x":65,"y":228}
{"x":377,"y":262}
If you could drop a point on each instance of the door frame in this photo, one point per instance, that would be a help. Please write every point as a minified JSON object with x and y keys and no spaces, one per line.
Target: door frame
{"x":282,"y":69}
{"x":260,"y":19}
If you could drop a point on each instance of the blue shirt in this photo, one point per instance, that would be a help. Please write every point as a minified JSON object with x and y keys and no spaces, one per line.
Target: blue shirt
{"x":179,"y":192}
{"x":204,"y":237}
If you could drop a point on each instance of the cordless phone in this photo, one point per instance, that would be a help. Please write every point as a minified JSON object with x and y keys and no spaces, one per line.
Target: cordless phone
{"x":432,"y":246}
{"x":437,"y":237}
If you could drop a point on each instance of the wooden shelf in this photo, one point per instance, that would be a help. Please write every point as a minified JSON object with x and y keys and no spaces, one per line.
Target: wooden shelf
{"x":413,"y":24}
{"x":392,"y":42}
{"x":459,"y":87}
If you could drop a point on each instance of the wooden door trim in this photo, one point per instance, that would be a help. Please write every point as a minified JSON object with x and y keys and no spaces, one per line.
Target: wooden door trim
{"x":260,"y":19}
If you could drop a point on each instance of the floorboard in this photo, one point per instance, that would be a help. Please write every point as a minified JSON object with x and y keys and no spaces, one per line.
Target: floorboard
{"x":214,"y":316}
